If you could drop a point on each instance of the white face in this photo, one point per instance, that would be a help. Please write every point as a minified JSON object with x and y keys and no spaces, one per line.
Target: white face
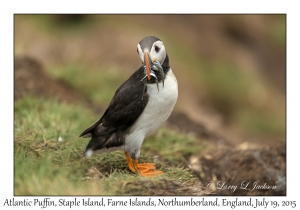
{"x":157,"y":52}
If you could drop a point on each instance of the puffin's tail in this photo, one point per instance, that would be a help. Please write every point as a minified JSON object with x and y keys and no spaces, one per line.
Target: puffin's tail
{"x":87,"y":153}
{"x":104,"y":142}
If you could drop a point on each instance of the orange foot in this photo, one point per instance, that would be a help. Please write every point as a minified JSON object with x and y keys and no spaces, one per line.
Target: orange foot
{"x":144,"y":169}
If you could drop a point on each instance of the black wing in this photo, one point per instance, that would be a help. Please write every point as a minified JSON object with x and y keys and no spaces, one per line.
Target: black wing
{"x":126,"y":106}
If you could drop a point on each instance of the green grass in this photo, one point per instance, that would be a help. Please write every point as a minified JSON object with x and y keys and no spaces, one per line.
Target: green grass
{"x":46,"y":166}
{"x":172,"y":146}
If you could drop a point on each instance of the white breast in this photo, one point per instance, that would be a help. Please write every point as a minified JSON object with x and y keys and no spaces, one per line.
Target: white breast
{"x":158,"y":109}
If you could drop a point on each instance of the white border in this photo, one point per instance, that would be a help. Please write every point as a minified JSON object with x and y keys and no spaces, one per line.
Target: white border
{"x":236,"y":6}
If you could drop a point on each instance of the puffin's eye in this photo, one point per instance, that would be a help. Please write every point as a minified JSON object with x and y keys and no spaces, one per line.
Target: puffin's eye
{"x":157,"y":49}
{"x":137,"y":50}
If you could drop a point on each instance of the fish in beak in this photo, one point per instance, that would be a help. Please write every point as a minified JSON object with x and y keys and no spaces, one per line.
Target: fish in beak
{"x":149,"y":68}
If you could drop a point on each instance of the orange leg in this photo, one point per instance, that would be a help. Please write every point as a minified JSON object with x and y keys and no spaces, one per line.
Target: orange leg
{"x":144,"y":169}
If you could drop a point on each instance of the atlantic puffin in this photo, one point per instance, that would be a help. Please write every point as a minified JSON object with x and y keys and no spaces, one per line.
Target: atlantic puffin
{"x":138,"y":108}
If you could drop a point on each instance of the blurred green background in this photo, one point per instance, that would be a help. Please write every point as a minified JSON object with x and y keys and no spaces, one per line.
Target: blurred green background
{"x":231,"y":69}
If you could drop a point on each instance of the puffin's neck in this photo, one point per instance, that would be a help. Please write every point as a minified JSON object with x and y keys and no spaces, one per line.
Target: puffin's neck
{"x":166,"y":65}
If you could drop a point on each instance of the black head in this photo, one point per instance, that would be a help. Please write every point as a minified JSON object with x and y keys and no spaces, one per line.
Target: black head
{"x":151,"y":49}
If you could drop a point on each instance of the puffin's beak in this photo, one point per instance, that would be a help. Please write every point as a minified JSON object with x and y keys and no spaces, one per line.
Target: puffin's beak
{"x":148,"y":64}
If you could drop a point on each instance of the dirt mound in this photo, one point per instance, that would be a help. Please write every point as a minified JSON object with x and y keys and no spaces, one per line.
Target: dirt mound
{"x":30,"y":78}
{"x":183,"y":124}
{"x":242,"y":171}
{"x":164,"y":187}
